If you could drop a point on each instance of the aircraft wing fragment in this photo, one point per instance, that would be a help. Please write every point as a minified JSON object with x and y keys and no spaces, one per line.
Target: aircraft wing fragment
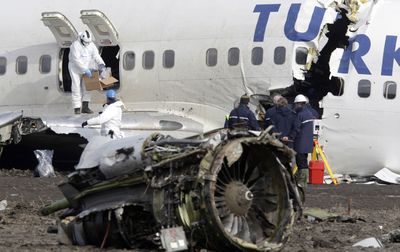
{"x":8,"y":124}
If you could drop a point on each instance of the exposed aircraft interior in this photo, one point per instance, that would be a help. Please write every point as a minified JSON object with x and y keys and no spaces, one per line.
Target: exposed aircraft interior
{"x":110,"y":56}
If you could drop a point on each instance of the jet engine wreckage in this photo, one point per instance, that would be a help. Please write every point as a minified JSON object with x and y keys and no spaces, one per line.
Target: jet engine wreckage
{"x":210,"y":191}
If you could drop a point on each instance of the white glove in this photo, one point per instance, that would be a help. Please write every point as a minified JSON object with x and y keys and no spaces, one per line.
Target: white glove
{"x":103,"y":74}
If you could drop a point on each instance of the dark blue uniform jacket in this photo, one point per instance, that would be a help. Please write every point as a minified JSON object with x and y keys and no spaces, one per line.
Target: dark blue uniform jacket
{"x":284,"y":121}
{"x":240,"y":116}
{"x":303,"y":142}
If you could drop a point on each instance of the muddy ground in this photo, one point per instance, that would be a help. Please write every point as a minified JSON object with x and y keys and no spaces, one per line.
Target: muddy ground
{"x":374,"y":208}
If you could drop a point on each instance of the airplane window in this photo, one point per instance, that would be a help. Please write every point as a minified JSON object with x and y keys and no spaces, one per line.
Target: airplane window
{"x":22,"y":65}
{"x":3,"y":65}
{"x":148,"y":59}
{"x":257,"y":55}
{"x":233,"y":56}
{"x":169,"y":59}
{"x":45,"y":64}
{"x":364,"y":88}
{"x":102,"y":30}
{"x":129,"y":61}
{"x":211,"y":57}
{"x":280,"y":55}
{"x":301,"y":55}
{"x":336,"y":86}
{"x":63,"y":31}
{"x":389,"y":90}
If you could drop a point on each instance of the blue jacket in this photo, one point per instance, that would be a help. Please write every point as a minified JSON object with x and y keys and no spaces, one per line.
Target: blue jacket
{"x":313,"y":111}
{"x":304,"y":141}
{"x":242,"y":116}
{"x":284,"y":121}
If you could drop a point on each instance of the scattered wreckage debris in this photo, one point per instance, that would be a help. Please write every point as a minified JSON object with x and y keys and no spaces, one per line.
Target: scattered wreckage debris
{"x":392,"y":237}
{"x":13,"y":126}
{"x":3,"y":205}
{"x":384,"y":177}
{"x":211,"y":191}
{"x":371,"y":242}
{"x":21,"y":136}
{"x":319,"y":215}
{"x":45,"y":167}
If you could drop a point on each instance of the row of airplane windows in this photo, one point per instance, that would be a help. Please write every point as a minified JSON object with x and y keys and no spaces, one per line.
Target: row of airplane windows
{"x":21,"y":64}
{"x":168,"y":60}
{"x":364,"y":86}
{"x":389,"y":89}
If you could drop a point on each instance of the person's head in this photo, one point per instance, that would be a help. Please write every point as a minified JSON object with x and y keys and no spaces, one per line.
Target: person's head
{"x":280,"y":101}
{"x":276,"y":98}
{"x":244,"y":99}
{"x":85,"y":38}
{"x":111,"y":96}
{"x":300,"y":101}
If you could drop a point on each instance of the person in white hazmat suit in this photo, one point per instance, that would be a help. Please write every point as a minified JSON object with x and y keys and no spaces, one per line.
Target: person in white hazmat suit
{"x":83,"y":56}
{"x":110,"y":118}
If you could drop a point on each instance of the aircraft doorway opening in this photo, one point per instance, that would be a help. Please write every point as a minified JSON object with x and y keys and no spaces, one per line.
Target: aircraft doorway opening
{"x":110,"y":55}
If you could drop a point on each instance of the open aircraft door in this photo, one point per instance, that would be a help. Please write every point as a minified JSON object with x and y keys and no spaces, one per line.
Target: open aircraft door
{"x":101,"y":28}
{"x":106,"y":38}
{"x":65,"y":34}
{"x":62,"y":29}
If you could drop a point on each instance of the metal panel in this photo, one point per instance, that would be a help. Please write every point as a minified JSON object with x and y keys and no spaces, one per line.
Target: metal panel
{"x":62,"y":29}
{"x":101,"y":27}
{"x":174,"y":239}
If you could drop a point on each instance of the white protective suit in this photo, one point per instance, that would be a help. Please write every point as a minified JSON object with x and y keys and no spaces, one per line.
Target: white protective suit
{"x":81,"y":58}
{"x":110,"y":119}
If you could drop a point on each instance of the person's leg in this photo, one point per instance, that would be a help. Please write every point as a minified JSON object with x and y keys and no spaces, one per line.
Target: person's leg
{"x":76,"y":91}
{"x":302,"y":165}
{"x":86,"y":94}
{"x":86,"y":100}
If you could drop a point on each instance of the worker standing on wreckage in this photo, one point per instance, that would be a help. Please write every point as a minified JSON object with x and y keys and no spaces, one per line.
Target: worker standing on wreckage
{"x":111,"y":117}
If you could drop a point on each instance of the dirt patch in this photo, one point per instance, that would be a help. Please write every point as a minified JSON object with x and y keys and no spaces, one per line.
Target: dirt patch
{"x":374,"y":207}
{"x":340,"y":236}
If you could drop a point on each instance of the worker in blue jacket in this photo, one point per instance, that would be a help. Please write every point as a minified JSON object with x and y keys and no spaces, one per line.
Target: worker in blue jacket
{"x":242,"y":116}
{"x":283,"y":119}
{"x":304,"y":141}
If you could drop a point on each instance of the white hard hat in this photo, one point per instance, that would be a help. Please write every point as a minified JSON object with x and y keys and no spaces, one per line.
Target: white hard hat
{"x":300,"y":98}
{"x":85,"y":38}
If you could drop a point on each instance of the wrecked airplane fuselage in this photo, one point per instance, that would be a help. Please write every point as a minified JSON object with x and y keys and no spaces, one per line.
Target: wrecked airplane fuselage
{"x":209,"y":191}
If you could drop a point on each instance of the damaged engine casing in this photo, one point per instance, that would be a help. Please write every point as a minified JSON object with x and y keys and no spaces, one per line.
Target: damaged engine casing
{"x":212,"y":191}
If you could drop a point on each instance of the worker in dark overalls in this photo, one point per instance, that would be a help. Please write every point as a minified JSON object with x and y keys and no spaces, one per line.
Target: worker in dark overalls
{"x":283,"y":119}
{"x":304,"y":141}
{"x":242,"y":117}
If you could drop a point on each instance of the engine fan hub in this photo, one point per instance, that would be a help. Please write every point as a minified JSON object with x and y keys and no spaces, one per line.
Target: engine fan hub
{"x":238,"y":198}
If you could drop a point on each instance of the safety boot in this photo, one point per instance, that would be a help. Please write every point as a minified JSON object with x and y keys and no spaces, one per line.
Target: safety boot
{"x":77,"y":111}
{"x":302,"y":178}
{"x":85,"y":108}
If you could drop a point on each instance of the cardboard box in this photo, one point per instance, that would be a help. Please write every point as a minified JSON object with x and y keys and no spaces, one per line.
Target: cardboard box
{"x":95,"y":84}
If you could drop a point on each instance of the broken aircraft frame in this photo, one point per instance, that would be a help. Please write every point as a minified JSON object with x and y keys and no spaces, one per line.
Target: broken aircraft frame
{"x":210,"y":191}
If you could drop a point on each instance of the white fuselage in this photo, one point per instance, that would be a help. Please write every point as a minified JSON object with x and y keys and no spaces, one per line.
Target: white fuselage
{"x":189,"y":28}
{"x":358,"y":134}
